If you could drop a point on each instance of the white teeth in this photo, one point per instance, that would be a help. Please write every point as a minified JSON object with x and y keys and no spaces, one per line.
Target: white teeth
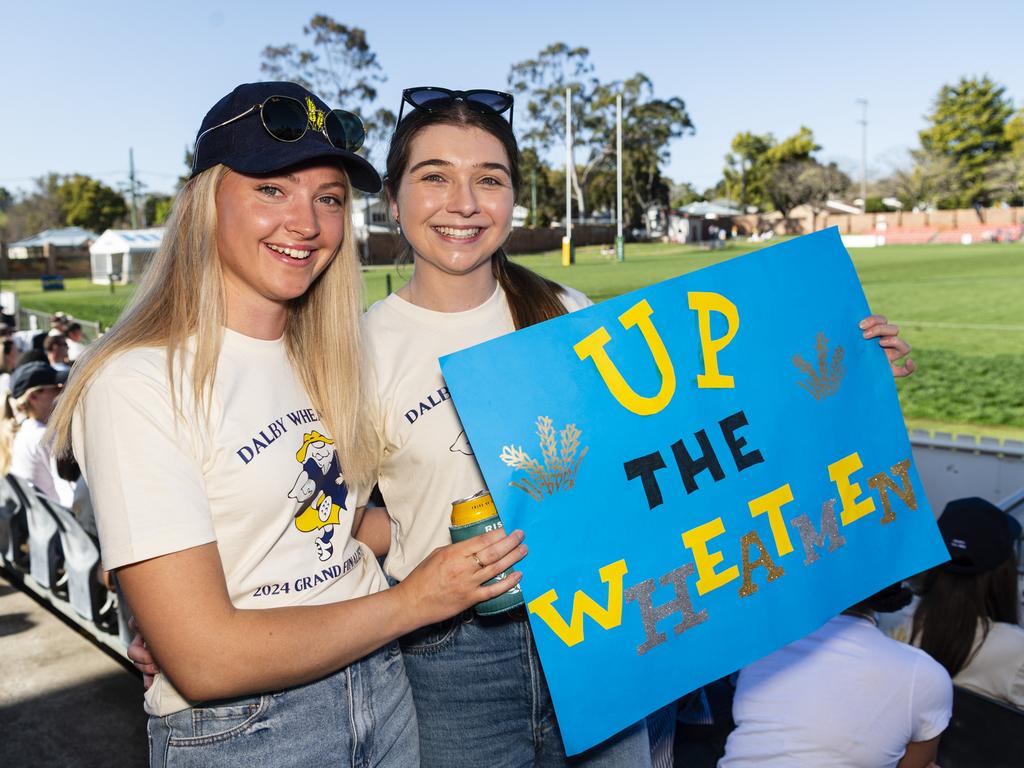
{"x":459,"y":232}
{"x":294,"y":253}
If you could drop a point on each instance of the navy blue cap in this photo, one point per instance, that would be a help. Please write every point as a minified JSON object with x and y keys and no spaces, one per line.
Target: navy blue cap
{"x":32,"y":375}
{"x":978,"y":535}
{"x":245,"y":146}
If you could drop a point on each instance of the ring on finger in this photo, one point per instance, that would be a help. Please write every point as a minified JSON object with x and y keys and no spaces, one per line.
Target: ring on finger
{"x":477,"y":560}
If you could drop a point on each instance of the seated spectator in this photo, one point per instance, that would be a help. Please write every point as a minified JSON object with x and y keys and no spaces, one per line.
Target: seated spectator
{"x":968,"y":614}
{"x":8,"y":359}
{"x":56,"y":349}
{"x":76,"y":341}
{"x":59,"y":323}
{"x":844,"y":695}
{"x":23,"y":451}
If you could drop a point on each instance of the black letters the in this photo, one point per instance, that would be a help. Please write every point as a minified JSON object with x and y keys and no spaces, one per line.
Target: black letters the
{"x":729,"y":425}
{"x":644,"y":467}
{"x":690,"y":468}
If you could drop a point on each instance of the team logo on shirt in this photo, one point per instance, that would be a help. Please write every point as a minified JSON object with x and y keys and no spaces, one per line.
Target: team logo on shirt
{"x":320,"y":490}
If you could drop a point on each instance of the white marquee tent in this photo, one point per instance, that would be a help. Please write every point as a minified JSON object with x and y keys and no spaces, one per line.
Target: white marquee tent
{"x":122,"y":255}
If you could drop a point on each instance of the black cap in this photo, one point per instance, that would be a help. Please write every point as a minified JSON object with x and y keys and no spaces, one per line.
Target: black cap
{"x":978,"y":535}
{"x":245,"y":146}
{"x":29,"y":375}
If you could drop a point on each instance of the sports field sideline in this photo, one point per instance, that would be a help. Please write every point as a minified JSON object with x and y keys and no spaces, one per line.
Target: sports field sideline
{"x":960,"y":308}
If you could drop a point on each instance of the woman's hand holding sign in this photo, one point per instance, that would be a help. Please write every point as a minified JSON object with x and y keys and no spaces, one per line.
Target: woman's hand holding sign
{"x":879,"y":327}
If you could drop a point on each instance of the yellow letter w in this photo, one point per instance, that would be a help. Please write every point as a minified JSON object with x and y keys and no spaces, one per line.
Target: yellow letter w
{"x":584,"y":605}
{"x":593,"y":347}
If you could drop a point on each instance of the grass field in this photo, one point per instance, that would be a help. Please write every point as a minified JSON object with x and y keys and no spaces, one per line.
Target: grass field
{"x":961,"y":307}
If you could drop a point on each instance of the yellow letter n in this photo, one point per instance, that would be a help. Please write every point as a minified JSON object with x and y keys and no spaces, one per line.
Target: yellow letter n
{"x":593,"y":347}
{"x":584,"y":605}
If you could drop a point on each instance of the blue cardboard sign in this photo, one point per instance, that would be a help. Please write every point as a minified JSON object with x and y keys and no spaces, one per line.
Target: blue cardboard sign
{"x":706,"y":469}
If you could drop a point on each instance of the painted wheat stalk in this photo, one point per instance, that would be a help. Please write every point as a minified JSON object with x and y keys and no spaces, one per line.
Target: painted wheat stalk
{"x":562,"y":459}
{"x":824,"y":380}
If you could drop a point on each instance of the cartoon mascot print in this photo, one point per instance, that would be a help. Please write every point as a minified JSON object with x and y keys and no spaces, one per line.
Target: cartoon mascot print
{"x":320,"y":490}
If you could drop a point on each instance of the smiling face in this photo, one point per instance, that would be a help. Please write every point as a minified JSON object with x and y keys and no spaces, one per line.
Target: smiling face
{"x":275,"y":234}
{"x":454,"y":199}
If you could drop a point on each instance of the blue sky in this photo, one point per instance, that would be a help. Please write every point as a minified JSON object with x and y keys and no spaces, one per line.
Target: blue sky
{"x":86,"y":81}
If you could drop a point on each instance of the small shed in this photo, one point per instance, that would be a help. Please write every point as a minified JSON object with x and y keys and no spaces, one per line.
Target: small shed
{"x":122,"y":255}
{"x":703,"y":220}
{"x":66,"y":241}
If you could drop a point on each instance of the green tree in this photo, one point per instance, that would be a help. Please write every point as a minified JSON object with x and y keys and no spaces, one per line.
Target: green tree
{"x":649,"y":125}
{"x":540,"y":82}
{"x":1006,"y":176}
{"x":156,"y":209}
{"x":683,"y":194}
{"x":338,"y":66}
{"x":538,"y":175}
{"x":36,"y":210}
{"x":821,"y":183}
{"x":86,"y":202}
{"x":761,"y":171}
{"x":746,"y":170}
{"x":968,"y":127}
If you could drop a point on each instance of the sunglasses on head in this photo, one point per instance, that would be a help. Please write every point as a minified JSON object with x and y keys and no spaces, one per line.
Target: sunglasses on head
{"x":431,"y":99}
{"x":287,"y":119}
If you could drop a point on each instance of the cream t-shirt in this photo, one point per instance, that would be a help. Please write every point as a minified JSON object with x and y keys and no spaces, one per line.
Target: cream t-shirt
{"x":260,"y":478}
{"x":428,"y":462}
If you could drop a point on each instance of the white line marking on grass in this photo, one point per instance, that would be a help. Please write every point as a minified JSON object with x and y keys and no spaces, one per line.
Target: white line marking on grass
{"x":962,"y":326}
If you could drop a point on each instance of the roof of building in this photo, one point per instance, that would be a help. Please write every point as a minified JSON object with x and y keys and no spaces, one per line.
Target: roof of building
{"x":65,"y":237}
{"x":121,"y":240}
{"x":710,"y":210}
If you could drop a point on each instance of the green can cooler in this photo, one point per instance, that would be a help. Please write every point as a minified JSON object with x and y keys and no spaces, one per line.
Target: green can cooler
{"x":471,"y":517}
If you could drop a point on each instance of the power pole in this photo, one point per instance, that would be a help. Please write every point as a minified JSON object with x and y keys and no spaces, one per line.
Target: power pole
{"x":567,"y":251}
{"x":131,"y":177}
{"x":620,"y":247}
{"x":863,"y":154}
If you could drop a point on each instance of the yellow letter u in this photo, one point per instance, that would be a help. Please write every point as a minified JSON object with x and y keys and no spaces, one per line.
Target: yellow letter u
{"x":593,"y":347}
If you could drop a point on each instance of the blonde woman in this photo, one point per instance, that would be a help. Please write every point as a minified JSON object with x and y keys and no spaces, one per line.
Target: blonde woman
{"x":220,"y":427}
{"x":34,"y":389}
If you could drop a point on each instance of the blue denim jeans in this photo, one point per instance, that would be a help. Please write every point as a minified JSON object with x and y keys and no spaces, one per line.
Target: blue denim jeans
{"x":361,"y":716}
{"x":481,"y":699}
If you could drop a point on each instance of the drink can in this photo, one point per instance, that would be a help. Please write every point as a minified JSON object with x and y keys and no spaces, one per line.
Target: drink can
{"x":471,"y":517}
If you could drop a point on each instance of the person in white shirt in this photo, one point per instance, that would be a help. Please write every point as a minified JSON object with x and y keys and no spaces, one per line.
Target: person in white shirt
{"x":220,"y":427}
{"x":76,"y":341}
{"x":452,"y":178}
{"x":968,"y":615}
{"x":845,"y":695}
{"x":34,"y":390}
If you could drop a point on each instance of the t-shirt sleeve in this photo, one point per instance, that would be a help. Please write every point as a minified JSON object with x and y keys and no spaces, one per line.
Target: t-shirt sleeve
{"x":142,"y":465}
{"x":1017,"y":687}
{"x":932,"y":699}
{"x":573,"y":299}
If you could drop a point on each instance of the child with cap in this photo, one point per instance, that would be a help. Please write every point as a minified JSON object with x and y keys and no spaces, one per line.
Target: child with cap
{"x":969,"y":611}
{"x":277,"y":642}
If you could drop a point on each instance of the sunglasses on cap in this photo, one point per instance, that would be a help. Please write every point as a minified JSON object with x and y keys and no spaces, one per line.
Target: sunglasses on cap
{"x":432,"y":99}
{"x":287,"y":119}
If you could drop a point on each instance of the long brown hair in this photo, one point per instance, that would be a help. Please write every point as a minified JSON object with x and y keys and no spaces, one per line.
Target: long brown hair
{"x":953,"y":605}
{"x":181,"y":296}
{"x":531,"y":297}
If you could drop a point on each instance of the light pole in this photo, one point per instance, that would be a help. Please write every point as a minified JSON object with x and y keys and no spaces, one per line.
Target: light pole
{"x":863,"y":154}
{"x":620,"y":244}
{"x":567,"y":251}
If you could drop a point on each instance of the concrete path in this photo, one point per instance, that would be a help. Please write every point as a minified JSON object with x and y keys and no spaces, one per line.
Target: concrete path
{"x":64,"y":703}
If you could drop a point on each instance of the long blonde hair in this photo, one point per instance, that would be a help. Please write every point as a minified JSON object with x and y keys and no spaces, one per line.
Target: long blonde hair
{"x":181,"y":296}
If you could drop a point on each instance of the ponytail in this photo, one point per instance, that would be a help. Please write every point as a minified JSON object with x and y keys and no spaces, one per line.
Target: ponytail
{"x":532,"y":298}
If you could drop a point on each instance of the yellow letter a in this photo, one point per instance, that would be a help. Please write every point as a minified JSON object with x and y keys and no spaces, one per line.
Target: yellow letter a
{"x":593,"y":347}
{"x":584,"y":605}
